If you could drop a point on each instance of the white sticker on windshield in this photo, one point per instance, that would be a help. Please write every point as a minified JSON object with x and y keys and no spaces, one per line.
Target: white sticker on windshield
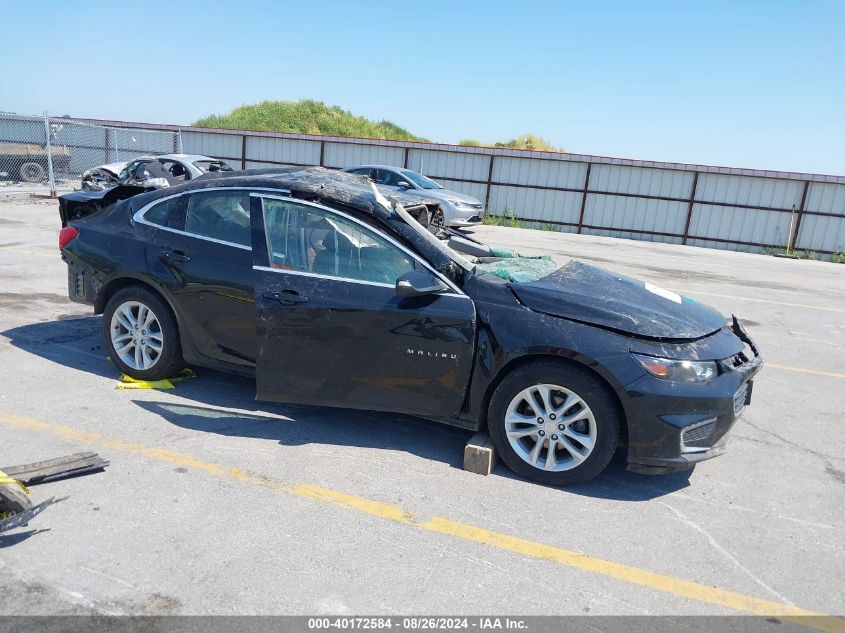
{"x":662,"y":292}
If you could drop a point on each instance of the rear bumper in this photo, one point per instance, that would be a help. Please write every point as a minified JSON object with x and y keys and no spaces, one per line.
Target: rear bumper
{"x":82,"y":286}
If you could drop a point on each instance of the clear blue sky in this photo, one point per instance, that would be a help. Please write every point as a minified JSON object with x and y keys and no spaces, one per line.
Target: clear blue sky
{"x":747,"y":84}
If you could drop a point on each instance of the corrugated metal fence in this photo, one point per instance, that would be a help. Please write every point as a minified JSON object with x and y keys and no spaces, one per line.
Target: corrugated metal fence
{"x":720,"y":207}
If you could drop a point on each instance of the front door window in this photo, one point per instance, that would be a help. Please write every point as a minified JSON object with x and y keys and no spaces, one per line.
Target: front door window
{"x":315,"y":241}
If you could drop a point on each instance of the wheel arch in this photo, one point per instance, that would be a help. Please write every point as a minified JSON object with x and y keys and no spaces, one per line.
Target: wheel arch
{"x":109,"y":289}
{"x":529,"y":359}
{"x":119,"y":283}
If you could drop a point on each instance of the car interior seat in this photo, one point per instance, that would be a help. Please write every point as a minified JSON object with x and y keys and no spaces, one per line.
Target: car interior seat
{"x":338,"y":256}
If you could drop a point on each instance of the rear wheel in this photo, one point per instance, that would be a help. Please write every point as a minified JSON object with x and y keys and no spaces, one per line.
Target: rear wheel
{"x":32,"y":172}
{"x":554,"y":423}
{"x":141,"y":334}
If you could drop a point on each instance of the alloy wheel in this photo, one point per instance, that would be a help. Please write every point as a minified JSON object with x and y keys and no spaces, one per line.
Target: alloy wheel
{"x":136,"y":335}
{"x":550,"y":427}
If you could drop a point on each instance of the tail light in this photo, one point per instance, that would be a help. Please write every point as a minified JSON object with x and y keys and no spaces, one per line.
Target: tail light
{"x":66,"y":235}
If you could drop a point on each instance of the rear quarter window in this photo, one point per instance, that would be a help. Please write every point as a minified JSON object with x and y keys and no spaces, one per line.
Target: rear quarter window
{"x":166,"y":213}
{"x":219,"y":215}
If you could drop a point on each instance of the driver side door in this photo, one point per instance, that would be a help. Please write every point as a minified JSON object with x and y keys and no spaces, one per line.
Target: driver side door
{"x":332,"y":330}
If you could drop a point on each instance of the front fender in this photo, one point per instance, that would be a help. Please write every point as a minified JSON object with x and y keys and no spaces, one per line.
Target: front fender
{"x":509,"y":336}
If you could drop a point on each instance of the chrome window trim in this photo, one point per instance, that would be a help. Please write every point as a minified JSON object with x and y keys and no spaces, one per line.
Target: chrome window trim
{"x":411,"y":254}
{"x":303,"y":273}
{"x":140,"y":219}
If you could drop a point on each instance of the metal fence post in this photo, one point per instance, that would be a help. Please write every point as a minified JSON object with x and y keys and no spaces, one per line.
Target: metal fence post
{"x":793,"y":236}
{"x":50,"y":177}
{"x":489,"y":187}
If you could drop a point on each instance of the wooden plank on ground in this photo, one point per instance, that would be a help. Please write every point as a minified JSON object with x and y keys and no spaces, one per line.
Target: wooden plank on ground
{"x":58,"y":468}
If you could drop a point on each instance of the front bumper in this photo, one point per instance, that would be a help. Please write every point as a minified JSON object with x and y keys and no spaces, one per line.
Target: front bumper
{"x":470,"y":221}
{"x":455,"y":216}
{"x":673,"y":426}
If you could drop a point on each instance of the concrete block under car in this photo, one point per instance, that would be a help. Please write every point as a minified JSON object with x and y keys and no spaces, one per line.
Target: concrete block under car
{"x":479,"y":454}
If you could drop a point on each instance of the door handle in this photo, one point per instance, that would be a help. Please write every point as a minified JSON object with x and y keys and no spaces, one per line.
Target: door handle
{"x":289,"y":297}
{"x":174,"y":256}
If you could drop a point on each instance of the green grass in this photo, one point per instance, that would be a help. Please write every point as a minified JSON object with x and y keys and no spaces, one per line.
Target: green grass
{"x":809,"y":254}
{"x":524,"y":141}
{"x":305,"y":117}
{"x":508,"y":220}
{"x":838,"y":257}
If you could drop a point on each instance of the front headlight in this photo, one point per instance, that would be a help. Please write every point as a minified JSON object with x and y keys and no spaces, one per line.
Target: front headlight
{"x":678,"y":370}
{"x":461,"y":205}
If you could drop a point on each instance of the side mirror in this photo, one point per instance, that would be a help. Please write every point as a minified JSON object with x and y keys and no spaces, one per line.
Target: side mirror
{"x":404,"y":184}
{"x":418,"y":283}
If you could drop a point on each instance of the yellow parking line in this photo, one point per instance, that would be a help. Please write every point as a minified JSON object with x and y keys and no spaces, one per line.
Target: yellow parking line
{"x":779,"y":303}
{"x":498,"y":540}
{"x":804,"y":370}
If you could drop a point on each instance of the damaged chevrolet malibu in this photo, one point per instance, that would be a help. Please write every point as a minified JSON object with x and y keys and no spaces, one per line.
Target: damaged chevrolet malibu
{"x":330,"y":294}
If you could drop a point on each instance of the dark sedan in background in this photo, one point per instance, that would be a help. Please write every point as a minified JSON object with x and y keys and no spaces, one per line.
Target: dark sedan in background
{"x":330,"y":294}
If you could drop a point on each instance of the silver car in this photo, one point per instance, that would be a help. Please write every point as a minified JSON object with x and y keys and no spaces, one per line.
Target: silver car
{"x":457,"y":209}
{"x":152,"y":171}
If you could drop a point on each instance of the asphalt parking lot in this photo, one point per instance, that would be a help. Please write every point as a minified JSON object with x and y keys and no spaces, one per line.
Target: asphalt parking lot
{"x":217,"y":504}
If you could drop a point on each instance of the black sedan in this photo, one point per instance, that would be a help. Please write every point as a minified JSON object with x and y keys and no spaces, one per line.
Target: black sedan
{"x":330,"y":294}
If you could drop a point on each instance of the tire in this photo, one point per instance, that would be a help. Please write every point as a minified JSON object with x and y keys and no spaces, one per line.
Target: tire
{"x":31,"y":172}
{"x":159,"y":354}
{"x":438,"y":221}
{"x":570,"y":397}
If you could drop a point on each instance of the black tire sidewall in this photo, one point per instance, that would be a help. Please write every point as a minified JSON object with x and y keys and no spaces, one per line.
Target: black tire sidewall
{"x":586,"y":385}
{"x":170,"y":362}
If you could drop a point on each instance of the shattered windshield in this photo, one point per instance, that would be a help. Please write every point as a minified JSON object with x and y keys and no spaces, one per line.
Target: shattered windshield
{"x":427,"y":235}
{"x":473,"y":256}
{"x":514,"y":267}
{"x":419,"y":180}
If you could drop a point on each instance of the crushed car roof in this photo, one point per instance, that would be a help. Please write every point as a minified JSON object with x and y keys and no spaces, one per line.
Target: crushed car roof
{"x":311,"y":183}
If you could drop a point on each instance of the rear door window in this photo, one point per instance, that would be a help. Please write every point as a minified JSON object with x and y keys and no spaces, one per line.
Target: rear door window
{"x":177,"y":172}
{"x":388,"y":178}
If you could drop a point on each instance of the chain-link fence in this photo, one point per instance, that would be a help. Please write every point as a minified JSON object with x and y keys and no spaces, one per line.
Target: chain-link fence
{"x":45,"y":155}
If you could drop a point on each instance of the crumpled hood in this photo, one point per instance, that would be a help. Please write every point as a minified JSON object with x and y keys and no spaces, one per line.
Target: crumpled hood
{"x":589,"y":294}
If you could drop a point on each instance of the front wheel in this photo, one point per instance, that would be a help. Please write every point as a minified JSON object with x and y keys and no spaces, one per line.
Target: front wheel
{"x":141,"y":334}
{"x":554,"y":423}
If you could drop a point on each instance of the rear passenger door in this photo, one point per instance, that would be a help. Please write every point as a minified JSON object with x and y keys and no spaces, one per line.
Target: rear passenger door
{"x":203,"y":258}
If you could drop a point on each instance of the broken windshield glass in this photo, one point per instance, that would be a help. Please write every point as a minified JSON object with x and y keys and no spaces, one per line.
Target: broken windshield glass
{"x":514,"y":267}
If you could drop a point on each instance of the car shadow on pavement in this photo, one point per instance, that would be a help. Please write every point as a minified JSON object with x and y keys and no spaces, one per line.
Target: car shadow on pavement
{"x":7,"y":540}
{"x":73,"y":342}
{"x":295,"y":425}
{"x":616,"y":483}
{"x":77,"y":343}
